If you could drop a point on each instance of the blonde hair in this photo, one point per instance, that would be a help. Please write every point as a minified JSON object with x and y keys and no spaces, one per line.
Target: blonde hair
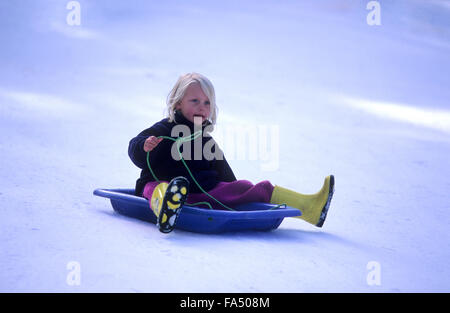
{"x":177,"y":93}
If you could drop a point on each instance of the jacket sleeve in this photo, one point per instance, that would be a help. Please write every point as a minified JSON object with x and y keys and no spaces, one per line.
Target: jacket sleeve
{"x":136,"y":147}
{"x":225,"y":173}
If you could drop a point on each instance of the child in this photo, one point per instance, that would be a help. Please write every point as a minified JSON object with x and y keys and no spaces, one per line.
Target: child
{"x":191,"y":107}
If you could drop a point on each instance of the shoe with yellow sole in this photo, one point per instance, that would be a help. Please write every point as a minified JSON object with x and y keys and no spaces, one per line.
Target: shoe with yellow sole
{"x":167,"y":201}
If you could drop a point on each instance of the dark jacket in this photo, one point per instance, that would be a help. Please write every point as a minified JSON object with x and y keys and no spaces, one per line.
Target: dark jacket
{"x":208,"y":173}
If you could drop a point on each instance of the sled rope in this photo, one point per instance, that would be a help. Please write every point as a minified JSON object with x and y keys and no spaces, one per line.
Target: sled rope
{"x":179,"y":141}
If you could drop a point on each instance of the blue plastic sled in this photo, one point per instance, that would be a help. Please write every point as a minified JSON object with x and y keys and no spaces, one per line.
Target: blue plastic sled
{"x":251,"y":216}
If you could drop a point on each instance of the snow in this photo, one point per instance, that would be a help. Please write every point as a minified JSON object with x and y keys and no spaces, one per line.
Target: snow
{"x":369,"y":104}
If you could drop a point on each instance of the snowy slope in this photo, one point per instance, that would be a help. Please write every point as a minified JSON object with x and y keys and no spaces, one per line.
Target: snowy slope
{"x":369,"y":104}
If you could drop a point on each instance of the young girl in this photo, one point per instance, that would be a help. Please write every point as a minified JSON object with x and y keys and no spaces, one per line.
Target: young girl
{"x":191,"y":107}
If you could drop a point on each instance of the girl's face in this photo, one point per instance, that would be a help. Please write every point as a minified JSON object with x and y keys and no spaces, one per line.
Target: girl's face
{"x":195,"y":104}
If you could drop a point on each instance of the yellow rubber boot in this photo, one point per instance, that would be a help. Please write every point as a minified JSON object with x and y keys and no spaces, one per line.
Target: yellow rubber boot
{"x":167,"y":200}
{"x":156,"y":201}
{"x":314,"y":207}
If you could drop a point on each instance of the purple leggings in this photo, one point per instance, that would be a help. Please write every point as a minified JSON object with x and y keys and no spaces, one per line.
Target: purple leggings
{"x":229,"y":193}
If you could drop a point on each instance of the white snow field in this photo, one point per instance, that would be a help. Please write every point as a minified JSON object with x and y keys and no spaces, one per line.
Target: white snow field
{"x":367,"y":103}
